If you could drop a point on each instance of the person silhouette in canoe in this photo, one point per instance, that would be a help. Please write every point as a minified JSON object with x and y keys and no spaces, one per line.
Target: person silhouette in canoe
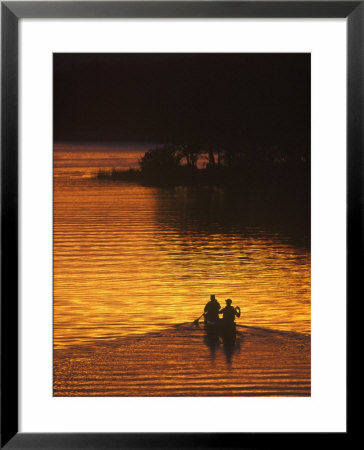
{"x":211,"y":311}
{"x":228,"y":314}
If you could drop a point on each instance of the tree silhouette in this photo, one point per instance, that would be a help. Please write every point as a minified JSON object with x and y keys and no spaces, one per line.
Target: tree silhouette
{"x":190,"y":151}
{"x":161,"y":164}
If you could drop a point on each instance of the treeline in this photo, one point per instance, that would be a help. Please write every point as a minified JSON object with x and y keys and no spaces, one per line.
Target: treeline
{"x":188,"y":164}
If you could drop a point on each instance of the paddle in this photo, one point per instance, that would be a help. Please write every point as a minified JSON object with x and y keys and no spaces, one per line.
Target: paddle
{"x":195,"y":322}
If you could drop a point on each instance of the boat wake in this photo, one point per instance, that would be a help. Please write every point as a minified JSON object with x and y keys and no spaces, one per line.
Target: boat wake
{"x":184,"y":361}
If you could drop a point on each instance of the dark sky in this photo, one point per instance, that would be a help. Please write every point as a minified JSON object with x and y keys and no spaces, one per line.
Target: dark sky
{"x":251,"y":98}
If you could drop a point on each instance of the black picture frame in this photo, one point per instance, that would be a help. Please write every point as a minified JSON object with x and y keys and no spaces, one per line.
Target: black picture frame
{"x":11,"y":12}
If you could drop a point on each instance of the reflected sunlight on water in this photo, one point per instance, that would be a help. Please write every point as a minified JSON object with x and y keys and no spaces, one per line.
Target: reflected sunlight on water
{"x":181,"y":361}
{"x":130,"y":259}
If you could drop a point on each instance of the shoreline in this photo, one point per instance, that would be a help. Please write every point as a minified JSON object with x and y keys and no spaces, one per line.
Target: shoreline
{"x":273,"y":175}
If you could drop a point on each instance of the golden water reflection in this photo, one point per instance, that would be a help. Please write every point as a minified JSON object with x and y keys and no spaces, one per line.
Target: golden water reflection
{"x":130,"y":259}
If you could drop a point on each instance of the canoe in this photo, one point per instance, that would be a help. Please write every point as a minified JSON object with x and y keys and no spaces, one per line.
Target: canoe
{"x":212,"y":328}
{"x":221,"y":329}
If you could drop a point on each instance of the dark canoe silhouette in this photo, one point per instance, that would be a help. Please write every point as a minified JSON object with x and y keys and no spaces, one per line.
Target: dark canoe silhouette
{"x":227,"y":331}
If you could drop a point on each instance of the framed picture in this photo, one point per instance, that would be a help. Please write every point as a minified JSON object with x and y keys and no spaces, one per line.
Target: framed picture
{"x":181,"y":220}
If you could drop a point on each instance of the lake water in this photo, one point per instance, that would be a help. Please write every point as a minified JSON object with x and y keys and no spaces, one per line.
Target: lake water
{"x":132,"y":259}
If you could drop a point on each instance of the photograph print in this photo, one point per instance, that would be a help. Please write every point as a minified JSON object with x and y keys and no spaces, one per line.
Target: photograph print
{"x":181,"y":224}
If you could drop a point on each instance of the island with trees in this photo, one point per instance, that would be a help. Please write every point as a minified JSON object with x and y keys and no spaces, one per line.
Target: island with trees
{"x":285,"y":165}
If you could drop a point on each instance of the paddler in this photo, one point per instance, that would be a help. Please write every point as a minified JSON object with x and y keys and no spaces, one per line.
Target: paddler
{"x":211,"y":311}
{"x":229,"y":313}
